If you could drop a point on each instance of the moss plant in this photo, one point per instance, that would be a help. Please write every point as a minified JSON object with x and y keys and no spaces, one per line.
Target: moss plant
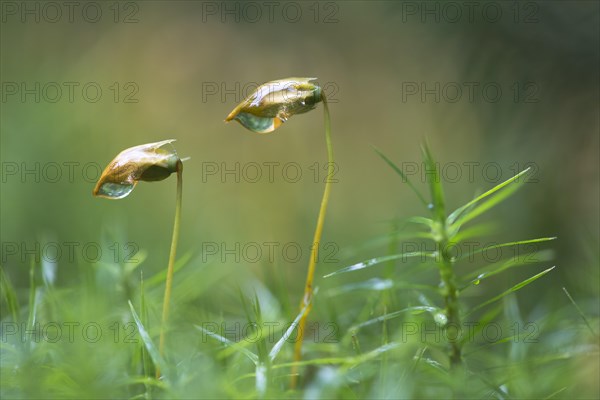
{"x":266,"y":109}
{"x":445,"y":231}
{"x":148,"y":162}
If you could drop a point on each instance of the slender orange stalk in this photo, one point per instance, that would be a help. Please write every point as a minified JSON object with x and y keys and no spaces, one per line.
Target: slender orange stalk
{"x":265,"y":110}
{"x":314,"y":252}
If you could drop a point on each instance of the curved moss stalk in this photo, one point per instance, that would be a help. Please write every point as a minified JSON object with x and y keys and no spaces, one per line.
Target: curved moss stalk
{"x":170,"y":268}
{"x":314,"y":252}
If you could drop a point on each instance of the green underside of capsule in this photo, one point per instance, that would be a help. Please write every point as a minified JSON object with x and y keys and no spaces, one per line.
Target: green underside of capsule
{"x":115,"y":190}
{"x":256,"y":124}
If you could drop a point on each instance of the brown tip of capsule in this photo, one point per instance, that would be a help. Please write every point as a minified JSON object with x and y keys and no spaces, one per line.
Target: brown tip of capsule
{"x":232,"y":115}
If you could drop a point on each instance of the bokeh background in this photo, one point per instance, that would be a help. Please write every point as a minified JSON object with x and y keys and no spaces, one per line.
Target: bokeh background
{"x":187,"y":64}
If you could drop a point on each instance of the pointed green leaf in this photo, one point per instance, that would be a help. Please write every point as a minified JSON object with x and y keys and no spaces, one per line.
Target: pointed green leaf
{"x":374,"y":284}
{"x":402,"y":175}
{"x":152,"y":350}
{"x":31,"y":315}
{"x":385,"y":317}
{"x":146,"y":361}
{"x":228,"y":343}
{"x":428,"y":222}
{"x":435,"y":184}
{"x":579,"y":311}
{"x":279,"y":345}
{"x":501,"y":245}
{"x":483,"y":207}
{"x":261,"y":379}
{"x":379,"y":260}
{"x":518,"y":286}
{"x":487,"y":271}
{"x":347,"y":361}
{"x":479,"y":230}
{"x":160,"y":277}
{"x":10,"y":296}
{"x":468,"y":208}
{"x":380,"y":241}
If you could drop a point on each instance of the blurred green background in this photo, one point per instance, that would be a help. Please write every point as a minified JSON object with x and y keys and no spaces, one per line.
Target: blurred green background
{"x":171,"y":57}
{"x":179,"y":53}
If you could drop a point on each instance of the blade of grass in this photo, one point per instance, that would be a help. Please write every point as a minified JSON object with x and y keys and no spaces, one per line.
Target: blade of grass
{"x":556,"y":393}
{"x":392,"y":315}
{"x":428,"y":222}
{"x":483,"y":207}
{"x":279,"y":345}
{"x":351,"y":361}
{"x":228,"y":343}
{"x":516,"y":287}
{"x":261,"y":379}
{"x":146,"y":362}
{"x":261,"y":345}
{"x":479,"y":230}
{"x":378,"y":260}
{"x":157,"y":359}
{"x":507,"y":244}
{"x":161,"y":276}
{"x":453,"y":217}
{"x":491,"y":270}
{"x":376,"y":284}
{"x":435,"y":185}
{"x":10,"y":296}
{"x":579,"y":310}
{"x":32,"y":296}
{"x":417,"y":359}
{"x":380,"y":241}
{"x":401,"y":173}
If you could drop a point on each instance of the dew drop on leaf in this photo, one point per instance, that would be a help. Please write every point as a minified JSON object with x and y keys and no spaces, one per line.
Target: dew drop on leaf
{"x":440,"y":319}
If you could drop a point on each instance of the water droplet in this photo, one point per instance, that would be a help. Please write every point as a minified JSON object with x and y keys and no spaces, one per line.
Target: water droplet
{"x":258,"y":124}
{"x":476,"y":282}
{"x":382,"y":284}
{"x":430,"y":206}
{"x":440,"y":319}
{"x":115,"y":190}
